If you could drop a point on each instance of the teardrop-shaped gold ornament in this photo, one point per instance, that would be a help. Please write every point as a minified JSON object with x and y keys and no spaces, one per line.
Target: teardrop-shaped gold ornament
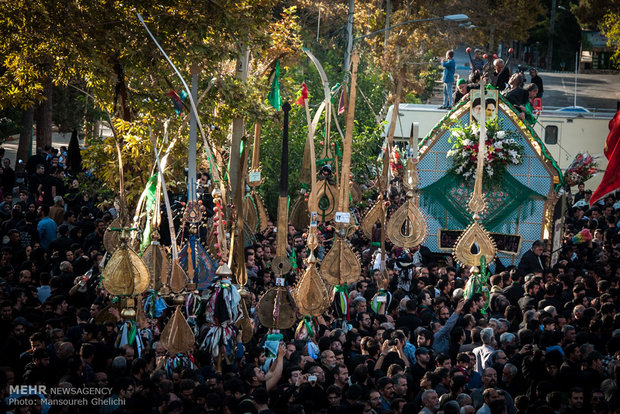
{"x":177,"y":337}
{"x":310,"y":294}
{"x":327,"y":199}
{"x":178,"y":277}
{"x":245,"y":322}
{"x":340,"y":265}
{"x":276,"y":309}
{"x":250,"y":215}
{"x":373,"y":215}
{"x":156,"y":260}
{"x":473,"y":243}
{"x":407,"y":226}
{"x":300,"y":216}
{"x":125,"y":273}
{"x":111,"y":238}
{"x":356,"y":193}
{"x":262,"y":212}
{"x":305,"y":173}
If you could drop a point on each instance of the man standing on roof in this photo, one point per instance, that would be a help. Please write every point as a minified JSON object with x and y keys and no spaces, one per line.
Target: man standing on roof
{"x":449,"y":67}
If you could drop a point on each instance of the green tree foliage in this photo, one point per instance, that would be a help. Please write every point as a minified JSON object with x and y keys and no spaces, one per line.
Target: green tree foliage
{"x":591,"y":14}
{"x":102,"y":47}
{"x":611,"y":29}
{"x":566,"y":35}
{"x":500,"y":21}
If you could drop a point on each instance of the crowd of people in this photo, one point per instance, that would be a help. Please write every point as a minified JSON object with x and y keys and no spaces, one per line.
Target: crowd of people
{"x":546,"y":340}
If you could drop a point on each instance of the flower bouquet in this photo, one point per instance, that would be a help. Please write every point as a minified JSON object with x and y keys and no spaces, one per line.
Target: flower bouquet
{"x":583,"y":167}
{"x":396,"y":163}
{"x":501,"y":150}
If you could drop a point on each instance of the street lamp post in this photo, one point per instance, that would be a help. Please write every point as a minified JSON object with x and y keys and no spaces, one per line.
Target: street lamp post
{"x":551,"y":33}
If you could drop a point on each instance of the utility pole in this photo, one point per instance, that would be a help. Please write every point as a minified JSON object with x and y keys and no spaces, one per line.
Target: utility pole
{"x":347,"y":56}
{"x":551,"y":33}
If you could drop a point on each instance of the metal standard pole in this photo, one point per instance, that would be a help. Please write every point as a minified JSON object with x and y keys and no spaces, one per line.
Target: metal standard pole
{"x":347,"y":56}
{"x":191,"y":162}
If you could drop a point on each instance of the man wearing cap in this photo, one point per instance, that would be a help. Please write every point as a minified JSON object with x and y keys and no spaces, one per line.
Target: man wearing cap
{"x":462,"y":89}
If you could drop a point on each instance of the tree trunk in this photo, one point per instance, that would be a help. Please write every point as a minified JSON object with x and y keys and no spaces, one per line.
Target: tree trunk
{"x":23,"y":147}
{"x":235,"y":174}
{"x":44,"y":118}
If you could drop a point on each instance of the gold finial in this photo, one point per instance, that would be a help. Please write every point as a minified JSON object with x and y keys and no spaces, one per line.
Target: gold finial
{"x":475,"y":241}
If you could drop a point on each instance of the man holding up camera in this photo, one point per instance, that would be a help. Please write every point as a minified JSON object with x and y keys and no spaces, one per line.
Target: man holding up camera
{"x":449,"y":67}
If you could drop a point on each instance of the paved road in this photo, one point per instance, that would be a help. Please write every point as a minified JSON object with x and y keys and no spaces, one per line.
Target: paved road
{"x":58,"y":140}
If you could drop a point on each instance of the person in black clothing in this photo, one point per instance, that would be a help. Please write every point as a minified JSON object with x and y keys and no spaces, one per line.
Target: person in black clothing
{"x":529,"y":301}
{"x":537,"y":81}
{"x":34,"y":161}
{"x":425,"y":311}
{"x":409,"y":318}
{"x":57,"y":181}
{"x":531,"y":261}
{"x":517,"y":96}
{"x":36,"y":183}
{"x":8,"y":176}
{"x":63,"y":242}
{"x":95,"y":239}
{"x":501,"y":75}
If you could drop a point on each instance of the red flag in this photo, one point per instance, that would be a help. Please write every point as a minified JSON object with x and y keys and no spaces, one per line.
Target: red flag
{"x":614,"y":135}
{"x":304,"y":95}
{"x":611,"y":178}
{"x":341,"y":103}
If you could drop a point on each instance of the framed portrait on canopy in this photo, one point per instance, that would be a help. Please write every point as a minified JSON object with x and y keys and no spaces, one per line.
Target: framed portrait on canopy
{"x":491,"y":99}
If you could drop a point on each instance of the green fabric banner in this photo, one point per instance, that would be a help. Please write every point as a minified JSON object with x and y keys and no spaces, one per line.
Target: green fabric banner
{"x":274,"y":94}
{"x":450,"y":195}
{"x":149,"y":194}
